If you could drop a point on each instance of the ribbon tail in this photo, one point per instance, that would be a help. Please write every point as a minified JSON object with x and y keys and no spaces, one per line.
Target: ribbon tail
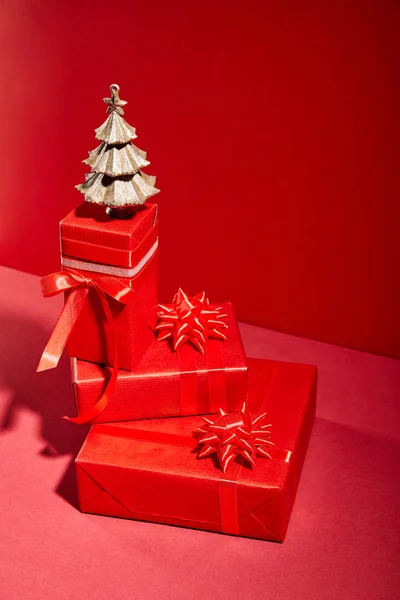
{"x":92,"y":413}
{"x":61,"y":332}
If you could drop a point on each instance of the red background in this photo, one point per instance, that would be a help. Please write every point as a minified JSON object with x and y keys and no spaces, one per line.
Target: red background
{"x":272,"y":128}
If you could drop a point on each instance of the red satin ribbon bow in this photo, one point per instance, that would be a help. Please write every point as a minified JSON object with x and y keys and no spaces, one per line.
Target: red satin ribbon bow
{"x":235,"y":434}
{"x":105,"y":286}
{"x":190,"y":319}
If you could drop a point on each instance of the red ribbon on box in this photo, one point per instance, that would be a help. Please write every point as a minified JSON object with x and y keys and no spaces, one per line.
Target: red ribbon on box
{"x":193,"y":319}
{"x":78,"y":285}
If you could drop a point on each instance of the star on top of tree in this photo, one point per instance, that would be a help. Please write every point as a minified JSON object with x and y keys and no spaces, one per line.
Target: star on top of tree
{"x":115,"y":102}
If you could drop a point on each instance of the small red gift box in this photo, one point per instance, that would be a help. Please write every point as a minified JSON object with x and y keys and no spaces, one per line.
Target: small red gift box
{"x":169,"y":383}
{"x":94,"y":245}
{"x":150,"y":470}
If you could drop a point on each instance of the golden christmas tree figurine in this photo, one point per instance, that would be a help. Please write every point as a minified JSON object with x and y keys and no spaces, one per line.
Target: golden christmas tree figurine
{"x":116,"y":179}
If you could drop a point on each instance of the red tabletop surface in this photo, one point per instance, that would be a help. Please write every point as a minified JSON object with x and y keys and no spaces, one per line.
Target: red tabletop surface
{"x":343,"y":539}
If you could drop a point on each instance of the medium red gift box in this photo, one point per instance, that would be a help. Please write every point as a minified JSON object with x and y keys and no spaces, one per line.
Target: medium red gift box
{"x":169,"y":383}
{"x":150,"y":470}
{"x":95,"y":245}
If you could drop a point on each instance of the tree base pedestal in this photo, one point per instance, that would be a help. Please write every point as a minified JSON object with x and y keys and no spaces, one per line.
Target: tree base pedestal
{"x":119,"y":212}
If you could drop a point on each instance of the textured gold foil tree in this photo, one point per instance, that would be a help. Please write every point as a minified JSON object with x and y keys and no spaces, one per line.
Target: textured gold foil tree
{"x":116,"y":179}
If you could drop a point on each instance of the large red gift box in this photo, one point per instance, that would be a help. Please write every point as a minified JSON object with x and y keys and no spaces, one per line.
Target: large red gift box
{"x":96,"y":245}
{"x":169,"y":383}
{"x":150,"y":470}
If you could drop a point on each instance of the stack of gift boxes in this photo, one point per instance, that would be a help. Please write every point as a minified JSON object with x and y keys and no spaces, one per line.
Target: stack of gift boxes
{"x":185,"y":429}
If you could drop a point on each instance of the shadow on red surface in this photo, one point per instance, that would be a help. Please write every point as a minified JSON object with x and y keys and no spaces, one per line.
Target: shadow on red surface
{"x":47,"y":394}
{"x":67,"y":487}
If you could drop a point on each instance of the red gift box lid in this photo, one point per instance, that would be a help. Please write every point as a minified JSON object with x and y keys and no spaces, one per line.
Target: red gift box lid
{"x":89,"y":234}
